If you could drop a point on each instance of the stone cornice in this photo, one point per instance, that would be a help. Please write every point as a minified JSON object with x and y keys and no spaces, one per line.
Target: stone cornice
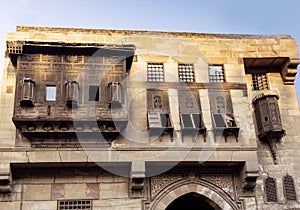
{"x":132,"y":32}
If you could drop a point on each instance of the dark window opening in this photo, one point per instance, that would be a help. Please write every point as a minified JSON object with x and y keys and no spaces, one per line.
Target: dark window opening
{"x":93,"y":93}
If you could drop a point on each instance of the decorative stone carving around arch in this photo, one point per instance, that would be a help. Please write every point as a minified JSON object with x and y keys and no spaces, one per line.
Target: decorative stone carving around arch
{"x":216,"y":198}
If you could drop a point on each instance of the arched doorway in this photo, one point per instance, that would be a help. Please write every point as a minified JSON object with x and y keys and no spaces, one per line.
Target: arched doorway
{"x":191,"y":201}
{"x":199,"y":193}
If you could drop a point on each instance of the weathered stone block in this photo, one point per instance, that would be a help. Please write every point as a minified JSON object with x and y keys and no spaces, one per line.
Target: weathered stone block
{"x":36,"y":192}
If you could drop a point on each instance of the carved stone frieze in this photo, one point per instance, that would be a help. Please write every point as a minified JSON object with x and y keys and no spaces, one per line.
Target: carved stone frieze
{"x":159,"y":182}
{"x":223,"y":181}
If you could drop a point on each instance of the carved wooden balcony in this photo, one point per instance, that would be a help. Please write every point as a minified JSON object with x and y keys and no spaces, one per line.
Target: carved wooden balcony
{"x":68,"y":128}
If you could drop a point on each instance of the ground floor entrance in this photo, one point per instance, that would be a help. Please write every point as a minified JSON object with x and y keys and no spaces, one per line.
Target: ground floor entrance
{"x":192,"y":195}
{"x":190,"y":201}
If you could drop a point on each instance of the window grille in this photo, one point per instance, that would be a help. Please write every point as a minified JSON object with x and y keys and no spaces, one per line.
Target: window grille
{"x":155,"y":72}
{"x":186,"y":72}
{"x":75,"y":204}
{"x":216,"y":73}
{"x":289,"y":188}
{"x":260,"y":81}
{"x":271,"y":192}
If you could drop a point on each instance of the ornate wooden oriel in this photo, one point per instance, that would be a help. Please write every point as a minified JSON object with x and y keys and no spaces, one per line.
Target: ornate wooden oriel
{"x":66,"y":92}
{"x":268,"y":120}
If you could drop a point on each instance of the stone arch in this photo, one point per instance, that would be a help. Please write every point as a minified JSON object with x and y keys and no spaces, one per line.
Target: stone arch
{"x":214,"y":196}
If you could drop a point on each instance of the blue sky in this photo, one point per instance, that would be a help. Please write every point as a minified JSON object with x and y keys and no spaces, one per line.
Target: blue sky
{"x":213,"y":16}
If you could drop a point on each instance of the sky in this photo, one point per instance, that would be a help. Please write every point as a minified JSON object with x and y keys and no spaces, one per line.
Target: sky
{"x":212,"y":16}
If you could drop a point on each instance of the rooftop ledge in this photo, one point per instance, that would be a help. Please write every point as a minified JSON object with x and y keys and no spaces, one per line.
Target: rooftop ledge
{"x":132,"y":32}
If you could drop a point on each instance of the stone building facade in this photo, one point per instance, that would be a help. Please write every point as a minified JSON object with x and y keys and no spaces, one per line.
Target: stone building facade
{"x":119,"y":119}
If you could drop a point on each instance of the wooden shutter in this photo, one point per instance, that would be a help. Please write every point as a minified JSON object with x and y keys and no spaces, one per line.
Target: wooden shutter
{"x":219,"y":120}
{"x":154,"y":120}
{"x":197,"y":120}
{"x":186,"y":121}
